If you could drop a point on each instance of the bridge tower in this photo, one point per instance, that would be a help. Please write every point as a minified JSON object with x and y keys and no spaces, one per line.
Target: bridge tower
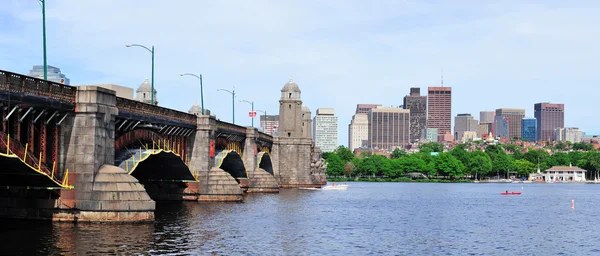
{"x":293,"y":149}
{"x":306,"y":122}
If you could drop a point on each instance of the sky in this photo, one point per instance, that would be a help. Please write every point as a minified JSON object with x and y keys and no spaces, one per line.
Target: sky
{"x":494,"y":54}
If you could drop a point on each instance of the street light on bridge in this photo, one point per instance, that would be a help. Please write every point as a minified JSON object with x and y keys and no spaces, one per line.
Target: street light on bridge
{"x":201,"y":91}
{"x":151,"y":51}
{"x":43,"y":2}
{"x":252,"y":114}
{"x":232,"y":101}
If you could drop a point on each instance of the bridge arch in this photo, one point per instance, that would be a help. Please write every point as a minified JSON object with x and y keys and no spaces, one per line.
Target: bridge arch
{"x":158,"y":165}
{"x":231,"y":162}
{"x":20,"y":168}
{"x":264,"y":162}
{"x":137,"y":136}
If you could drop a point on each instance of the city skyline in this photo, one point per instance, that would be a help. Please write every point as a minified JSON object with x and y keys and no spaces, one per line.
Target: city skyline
{"x":495,"y":46}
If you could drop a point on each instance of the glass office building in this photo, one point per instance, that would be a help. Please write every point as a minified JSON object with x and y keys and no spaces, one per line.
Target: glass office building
{"x":529,"y":129}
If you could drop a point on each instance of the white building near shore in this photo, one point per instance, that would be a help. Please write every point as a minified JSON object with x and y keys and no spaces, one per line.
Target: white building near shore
{"x":565,"y":174}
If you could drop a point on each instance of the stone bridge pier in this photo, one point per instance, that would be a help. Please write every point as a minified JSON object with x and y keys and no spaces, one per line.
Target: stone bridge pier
{"x":258,"y":165}
{"x":103,"y":192}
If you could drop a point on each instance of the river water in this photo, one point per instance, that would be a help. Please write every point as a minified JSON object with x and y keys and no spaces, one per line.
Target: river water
{"x":367,"y":219}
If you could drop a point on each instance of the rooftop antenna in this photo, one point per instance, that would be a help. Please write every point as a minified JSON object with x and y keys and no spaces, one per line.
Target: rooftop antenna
{"x":442,"y":77}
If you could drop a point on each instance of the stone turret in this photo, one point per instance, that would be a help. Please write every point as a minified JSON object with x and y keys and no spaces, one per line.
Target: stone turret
{"x":306,"y":122}
{"x":293,"y":151}
{"x":143,"y":93}
{"x":290,"y":111}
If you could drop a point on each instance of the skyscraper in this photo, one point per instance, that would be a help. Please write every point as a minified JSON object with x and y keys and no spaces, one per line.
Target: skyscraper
{"x":325,"y":129}
{"x":529,"y":129}
{"x":269,"y":124}
{"x":549,"y":117}
{"x":358,"y":131}
{"x":486,"y":117}
{"x":464,"y":123}
{"x":389,"y":128}
{"x":439,"y":109}
{"x":365,"y":108}
{"x":515,"y":117}
{"x":53,"y":74}
{"x":571,"y":134}
{"x":502,"y":127}
{"x":417,"y":105}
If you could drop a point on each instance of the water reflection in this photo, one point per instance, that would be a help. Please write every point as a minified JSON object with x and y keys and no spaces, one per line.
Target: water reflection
{"x":369,"y":218}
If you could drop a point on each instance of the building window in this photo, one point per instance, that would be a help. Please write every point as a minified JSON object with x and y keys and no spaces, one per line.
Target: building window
{"x":290,"y":95}
{"x":290,"y":106}
{"x":144,"y":95}
{"x":289,"y":134}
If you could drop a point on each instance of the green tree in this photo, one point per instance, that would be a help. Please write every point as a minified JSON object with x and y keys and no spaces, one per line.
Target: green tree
{"x":518,"y":154}
{"x":349,"y":168}
{"x":558,"y":159}
{"x":594,"y":162}
{"x":344,"y":153}
{"x":432,"y":147}
{"x":583,"y":146}
{"x":461,"y":154}
{"x":560,"y":146}
{"x":396,"y":167}
{"x":414,"y":164}
{"x":493,"y":151}
{"x":502,"y":163}
{"x":524,"y":167}
{"x":575,"y":156}
{"x":335,"y":165}
{"x":534,"y":155}
{"x":325,"y":155}
{"x":365,"y":154}
{"x":448,"y":165}
{"x":398,"y":153}
{"x":480,"y":165}
{"x":375,"y":165}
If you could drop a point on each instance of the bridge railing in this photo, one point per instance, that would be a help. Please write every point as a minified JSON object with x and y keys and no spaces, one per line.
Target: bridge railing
{"x":265,"y":137}
{"x":230,"y":127}
{"x":142,"y":108}
{"x":18,"y":83}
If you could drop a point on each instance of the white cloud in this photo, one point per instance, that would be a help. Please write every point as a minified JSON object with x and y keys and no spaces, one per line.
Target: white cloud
{"x":341,"y":53}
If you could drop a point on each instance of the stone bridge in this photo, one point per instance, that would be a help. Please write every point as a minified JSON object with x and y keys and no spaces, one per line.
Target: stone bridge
{"x":83,"y":154}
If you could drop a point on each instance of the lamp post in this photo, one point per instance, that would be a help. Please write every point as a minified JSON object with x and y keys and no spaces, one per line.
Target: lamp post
{"x":151,"y":51}
{"x":264,"y":112}
{"x":43,"y":2}
{"x":251,"y":103}
{"x":232,"y":102}
{"x":201,"y":91}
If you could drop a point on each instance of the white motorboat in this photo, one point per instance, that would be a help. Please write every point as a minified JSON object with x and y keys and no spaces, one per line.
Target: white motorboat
{"x":310,"y":188}
{"x":336,"y":187}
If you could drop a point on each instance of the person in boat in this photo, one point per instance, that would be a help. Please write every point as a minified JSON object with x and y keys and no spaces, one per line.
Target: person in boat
{"x":332,"y":184}
{"x":506,"y":191}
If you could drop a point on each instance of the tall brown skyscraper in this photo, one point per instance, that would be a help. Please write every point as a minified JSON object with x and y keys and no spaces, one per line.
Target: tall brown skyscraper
{"x":549,"y":117}
{"x":515,"y":121}
{"x":365,"y":108}
{"x":417,"y":105}
{"x":439,"y":109}
{"x":389,"y":128}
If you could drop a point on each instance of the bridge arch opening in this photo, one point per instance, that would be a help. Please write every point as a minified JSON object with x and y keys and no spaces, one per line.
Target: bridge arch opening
{"x":265,"y":163}
{"x":231,"y":162}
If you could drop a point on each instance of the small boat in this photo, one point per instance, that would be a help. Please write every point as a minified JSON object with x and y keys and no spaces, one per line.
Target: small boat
{"x":310,"y":188}
{"x":336,"y":187}
{"x":510,"y":193}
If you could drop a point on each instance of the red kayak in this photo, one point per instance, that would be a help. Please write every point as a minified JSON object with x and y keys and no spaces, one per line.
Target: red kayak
{"x":510,"y":193}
